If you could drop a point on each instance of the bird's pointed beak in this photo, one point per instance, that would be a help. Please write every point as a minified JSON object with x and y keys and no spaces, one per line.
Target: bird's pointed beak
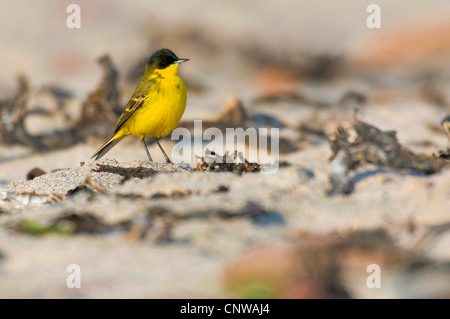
{"x":179,"y":61}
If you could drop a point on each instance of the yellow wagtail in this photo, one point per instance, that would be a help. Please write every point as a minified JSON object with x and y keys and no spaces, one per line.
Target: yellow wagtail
{"x":156,"y":106}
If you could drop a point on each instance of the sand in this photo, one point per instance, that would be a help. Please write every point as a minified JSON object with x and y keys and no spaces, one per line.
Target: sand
{"x":155,"y":230}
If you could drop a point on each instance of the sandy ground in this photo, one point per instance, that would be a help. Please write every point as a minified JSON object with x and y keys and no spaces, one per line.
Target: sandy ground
{"x":153,"y":230}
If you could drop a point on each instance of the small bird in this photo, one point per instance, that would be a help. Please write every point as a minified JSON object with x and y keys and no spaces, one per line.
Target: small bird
{"x":156,"y":106}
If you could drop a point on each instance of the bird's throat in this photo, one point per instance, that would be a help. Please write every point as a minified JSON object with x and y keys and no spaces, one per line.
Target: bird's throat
{"x":168,"y":72}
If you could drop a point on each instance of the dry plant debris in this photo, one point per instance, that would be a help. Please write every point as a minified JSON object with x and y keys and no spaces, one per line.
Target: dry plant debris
{"x":68,"y":223}
{"x":156,"y":224}
{"x":12,"y":117}
{"x":317,"y":266}
{"x":90,"y":185}
{"x":104,"y":101}
{"x":216,"y":163}
{"x":355,"y":143}
{"x":10,"y":200}
{"x":446,"y":125}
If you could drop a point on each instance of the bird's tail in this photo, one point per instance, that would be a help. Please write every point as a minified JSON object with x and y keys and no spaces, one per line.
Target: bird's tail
{"x":107,"y":146}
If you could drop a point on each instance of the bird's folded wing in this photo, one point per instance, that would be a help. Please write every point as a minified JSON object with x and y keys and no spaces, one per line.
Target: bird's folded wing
{"x":133,"y":105}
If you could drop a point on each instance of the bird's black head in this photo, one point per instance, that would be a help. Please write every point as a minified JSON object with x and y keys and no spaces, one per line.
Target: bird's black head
{"x":161,"y":59}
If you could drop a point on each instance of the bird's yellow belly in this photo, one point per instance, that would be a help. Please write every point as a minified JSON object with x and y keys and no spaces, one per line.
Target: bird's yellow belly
{"x":161,"y":112}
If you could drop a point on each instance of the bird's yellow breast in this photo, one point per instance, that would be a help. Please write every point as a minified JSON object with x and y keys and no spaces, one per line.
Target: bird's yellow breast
{"x":163,"y":107}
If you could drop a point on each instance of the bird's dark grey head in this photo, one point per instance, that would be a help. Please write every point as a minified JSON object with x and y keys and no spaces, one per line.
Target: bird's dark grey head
{"x":161,"y":59}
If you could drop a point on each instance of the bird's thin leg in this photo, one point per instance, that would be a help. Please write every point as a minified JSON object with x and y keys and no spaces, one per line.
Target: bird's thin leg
{"x":164,"y":153}
{"x":146,"y":149}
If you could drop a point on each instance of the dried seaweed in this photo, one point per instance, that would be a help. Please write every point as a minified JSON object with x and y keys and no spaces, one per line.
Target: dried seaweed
{"x":325,"y":258}
{"x":221,"y":189}
{"x":319,"y":266}
{"x":104,"y":101}
{"x":159,"y":222}
{"x":88,"y":185}
{"x":255,"y":212}
{"x":445,"y":154}
{"x":12,"y":117}
{"x":11,"y":200}
{"x":85,"y":223}
{"x":13,"y":114}
{"x":356,"y":143}
{"x":352,"y":98}
{"x":217,"y":163}
{"x":156,"y":224}
{"x":326,"y":116}
{"x":60,"y":95}
{"x":146,"y":226}
{"x":69,"y":223}
{"x":176,"y":194}
{"x":32,"y":227}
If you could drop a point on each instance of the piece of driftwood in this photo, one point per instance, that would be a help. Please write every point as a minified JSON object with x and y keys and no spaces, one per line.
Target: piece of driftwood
{"x":355,"y":143}
{"x":12,"y":117}
{"x":13,"y":129}
{"x":104,"y":102}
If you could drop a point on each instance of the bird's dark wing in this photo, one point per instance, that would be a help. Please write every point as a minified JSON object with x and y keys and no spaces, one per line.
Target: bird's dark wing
{"x":134,"y":104}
